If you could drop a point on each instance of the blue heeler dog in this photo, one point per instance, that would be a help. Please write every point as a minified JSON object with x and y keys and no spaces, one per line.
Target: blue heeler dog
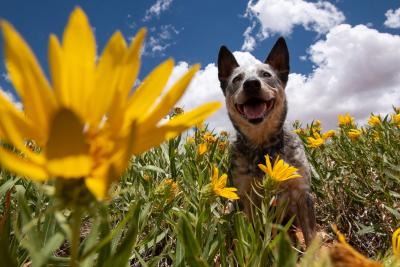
{"x":257,"y":106}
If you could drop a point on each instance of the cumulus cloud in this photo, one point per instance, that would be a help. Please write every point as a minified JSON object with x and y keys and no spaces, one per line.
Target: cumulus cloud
{"x":392,"y":18}
{"x":157,"y":8}
{"x":281,"y":16}
{"x":356,"y":70}
{"x":160,"y":39}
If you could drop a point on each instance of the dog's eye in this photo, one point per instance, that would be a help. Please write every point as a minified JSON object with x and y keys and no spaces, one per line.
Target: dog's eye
{"x":266,"y":74}
{"x":237,"y":79}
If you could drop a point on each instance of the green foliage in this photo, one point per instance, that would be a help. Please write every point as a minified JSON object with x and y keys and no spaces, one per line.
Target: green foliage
{"x":164,"y":212}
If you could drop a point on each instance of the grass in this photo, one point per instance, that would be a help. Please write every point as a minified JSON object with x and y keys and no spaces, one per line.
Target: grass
{"x":163,"y":212}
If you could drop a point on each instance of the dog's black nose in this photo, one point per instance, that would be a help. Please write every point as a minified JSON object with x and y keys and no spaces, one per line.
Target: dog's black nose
{"x":252,"y":86}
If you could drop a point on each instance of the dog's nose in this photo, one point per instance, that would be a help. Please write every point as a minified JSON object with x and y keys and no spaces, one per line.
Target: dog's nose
{"x":252,"y":86}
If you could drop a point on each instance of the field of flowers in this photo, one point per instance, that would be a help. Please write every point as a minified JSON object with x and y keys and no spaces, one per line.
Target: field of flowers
{"x":99,"y":177}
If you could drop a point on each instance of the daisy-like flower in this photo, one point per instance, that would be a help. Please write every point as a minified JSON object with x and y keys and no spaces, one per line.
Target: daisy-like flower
{"x":202,"y":148}
{"x":86,"y":123}
{"x":315,"y":141}
{"x":395,"y":119}
{"x":281,"y":171}
{"x":374,"y":120}
{"x":345,"y":119}
{"x":354,"y":134}
{"x":219,"y":186}
{"x":328,"y":134}
{"x":209,"y":137}
{"x":396,"y":243}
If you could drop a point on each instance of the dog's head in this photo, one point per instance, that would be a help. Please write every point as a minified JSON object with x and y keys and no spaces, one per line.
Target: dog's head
{"x":255,"y":95}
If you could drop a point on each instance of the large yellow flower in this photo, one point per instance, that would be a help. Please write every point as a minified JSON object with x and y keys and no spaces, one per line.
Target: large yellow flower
{"x":354,"y":134}
{"x":345,"y":119}
{"x":374,"y":120}
{"x":86,"y":123}
{"x":219,"y":186}
{"x":281,"y":171}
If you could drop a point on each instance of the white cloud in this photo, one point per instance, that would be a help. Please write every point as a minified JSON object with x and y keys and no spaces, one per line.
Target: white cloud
{"x":392,"y":18}
{"x":281,"y":16}
{"x":10,"y":97}
{"x":356,"y":70}
{"x":156,"y":9}
{"x":160,"y":39}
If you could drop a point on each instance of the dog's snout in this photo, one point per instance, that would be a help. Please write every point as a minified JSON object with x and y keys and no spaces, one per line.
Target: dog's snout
{"x":252,"y":86}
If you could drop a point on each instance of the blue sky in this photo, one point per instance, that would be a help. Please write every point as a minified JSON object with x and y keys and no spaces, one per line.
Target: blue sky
{"x":192,"y":31}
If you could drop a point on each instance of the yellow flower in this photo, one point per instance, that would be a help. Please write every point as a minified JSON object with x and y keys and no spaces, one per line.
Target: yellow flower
{"x":328,"y":134}
{"x":202,"y":148}
{"x":299,"y":131}
{"x":342,"y":254}
{"x":315,"y":141}
{"x":345,"y":119}
{"x":354,"y":134}
{"x":374,"y":120}
{"x":219,"y":186}
{"x":86,"y":122}
{"x":396,"y":243}
{"x":209,"y":137}
{"x":316,"y":126}
{"x":396,"y":119}
{"x":281,"y":171}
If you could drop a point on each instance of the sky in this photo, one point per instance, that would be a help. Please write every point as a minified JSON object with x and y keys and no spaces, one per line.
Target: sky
{"x":344,"y":54}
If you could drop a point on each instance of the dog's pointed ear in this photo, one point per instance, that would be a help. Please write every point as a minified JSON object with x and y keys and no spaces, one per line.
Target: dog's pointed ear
{"x":226,"y":64}
{"x":278,"y":58}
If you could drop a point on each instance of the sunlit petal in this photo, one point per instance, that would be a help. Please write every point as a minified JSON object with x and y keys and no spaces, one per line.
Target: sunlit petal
{"x":27,"y":78}
{"x":22,"y":166}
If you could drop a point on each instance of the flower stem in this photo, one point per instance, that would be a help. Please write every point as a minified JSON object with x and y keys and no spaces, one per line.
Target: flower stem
{"x":76,"y":235}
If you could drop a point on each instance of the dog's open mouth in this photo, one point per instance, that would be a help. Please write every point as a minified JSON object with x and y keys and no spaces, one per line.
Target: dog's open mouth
{"x":255,"y":109}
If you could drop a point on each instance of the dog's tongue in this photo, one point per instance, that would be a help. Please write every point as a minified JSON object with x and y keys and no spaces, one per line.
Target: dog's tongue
{"x":255,"y":111}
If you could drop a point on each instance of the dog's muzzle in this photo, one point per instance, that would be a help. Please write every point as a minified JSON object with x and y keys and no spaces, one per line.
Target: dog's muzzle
{"x":255,"y":107}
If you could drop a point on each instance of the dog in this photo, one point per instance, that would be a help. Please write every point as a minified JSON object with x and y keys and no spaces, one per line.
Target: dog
{"x":257,"y":107}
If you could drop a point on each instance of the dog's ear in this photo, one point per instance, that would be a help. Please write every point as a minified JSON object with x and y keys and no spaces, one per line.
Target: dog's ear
{"x":278,"y":58}
{"x":226,"y":64}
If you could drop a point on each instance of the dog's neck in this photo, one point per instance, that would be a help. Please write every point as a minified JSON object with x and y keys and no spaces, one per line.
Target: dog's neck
{"x":272,"y":147}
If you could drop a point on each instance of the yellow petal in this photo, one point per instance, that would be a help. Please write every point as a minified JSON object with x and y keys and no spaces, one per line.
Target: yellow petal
{"x":171,"y":97}
{"x":28,"y":78}
{"x":57,"y":74}
{"x":12,"y":134}
{"x":214,"y":178}
{"x":21,"y":166}
{"x":146,"y":138}
{"x":66,"y":149}
{"x":99,"y":181}
{"x":127,"y":77}
{"x":131,"y":64}
{"x":107,"y":74}
{"x":222,"y":181}
{"x":78,"y":63}
{"x":263,"y":168}
{"x":23,"y":126}
{"x":151,"y":88}
{"x":226,"y":193}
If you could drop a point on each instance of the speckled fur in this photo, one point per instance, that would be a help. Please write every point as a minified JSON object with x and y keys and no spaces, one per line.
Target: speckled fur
{"x":253,"y":141}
